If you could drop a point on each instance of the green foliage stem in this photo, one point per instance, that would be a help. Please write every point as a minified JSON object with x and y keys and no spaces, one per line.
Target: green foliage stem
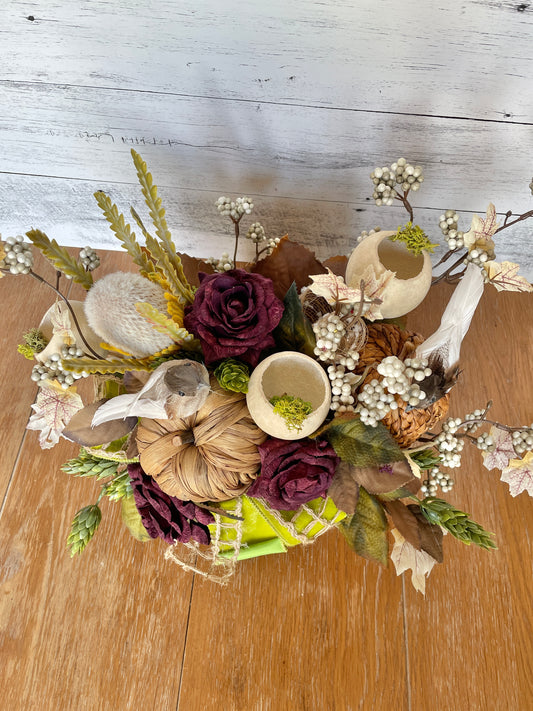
{"x":458,"y":523}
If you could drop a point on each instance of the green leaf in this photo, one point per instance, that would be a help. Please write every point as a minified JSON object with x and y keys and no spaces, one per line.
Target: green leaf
{"x":131,"y":518}
{"x":426,"y":458}
{"x":360,"y":444}
{"x":366,"y":530}
{"x":294,"y":332}
{"x":60,"y":258}
{"x":157,"y":213}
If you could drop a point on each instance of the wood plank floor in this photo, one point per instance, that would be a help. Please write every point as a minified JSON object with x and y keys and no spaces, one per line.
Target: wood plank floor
{"x":119,"y":628}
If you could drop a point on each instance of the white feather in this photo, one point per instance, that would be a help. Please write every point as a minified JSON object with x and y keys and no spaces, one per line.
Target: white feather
{"x":122,"y":406}
{"x":456,"y":319}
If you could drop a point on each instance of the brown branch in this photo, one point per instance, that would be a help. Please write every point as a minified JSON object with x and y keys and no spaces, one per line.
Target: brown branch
{"x":524,"y":216}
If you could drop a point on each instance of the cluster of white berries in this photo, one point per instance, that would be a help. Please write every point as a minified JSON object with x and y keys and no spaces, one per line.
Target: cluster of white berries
{"x":364,"y":234}
{"x":52,"y":368}
{"x":449,"y":446}
{"x":256,"y":232}
{"x":330,"y":330}
{"x":523,"y":440}
{"x":476,"y":415}
{"x":448,"y":223}
{"x":435,"y":479}
{"x":223,"y":264}
{"x":477,"y":256}
{"x":398,"y":377}
{"x":342,"y":386}
{"x":234,"y":208}
{"x":375,"y":403}
{"x":485,"y":442}
{"x":89,"y":259}
{"x":401,"y":173}
{"x":19,"y":257}
{"x":271,"y":244}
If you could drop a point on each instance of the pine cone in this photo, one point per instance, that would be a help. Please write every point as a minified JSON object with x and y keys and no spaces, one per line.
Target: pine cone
{"x":164,"y":516}
{"x":385,"y":339}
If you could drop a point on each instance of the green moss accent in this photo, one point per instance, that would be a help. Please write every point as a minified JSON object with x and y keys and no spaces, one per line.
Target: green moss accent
{"x":34,"y":342}
{"x":294,"y":410}
{"x":414,"y":238}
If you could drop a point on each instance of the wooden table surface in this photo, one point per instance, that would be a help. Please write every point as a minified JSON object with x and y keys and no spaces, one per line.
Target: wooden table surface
{"x":120,"y":628}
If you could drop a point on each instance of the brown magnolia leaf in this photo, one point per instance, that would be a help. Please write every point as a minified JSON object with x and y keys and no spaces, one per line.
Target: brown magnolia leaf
{"x":337,"y":265}
{"x":79,"y":428}
{"x":405,"y":521}
{"x":384,"y":478}
{"x":344,"y":490}
{"x":289,"y":262}
{"x":193,"y":265}
{"x":430,"y":535}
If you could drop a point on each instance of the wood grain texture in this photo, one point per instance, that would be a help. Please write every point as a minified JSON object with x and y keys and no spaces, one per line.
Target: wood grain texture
{"x":471,"y":641}
{"x":466,"y":59}
{"x":266,"y":149}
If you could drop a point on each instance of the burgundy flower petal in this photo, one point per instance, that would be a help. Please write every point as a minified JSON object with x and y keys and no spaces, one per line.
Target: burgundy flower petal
{"x":294,"y":472}
{"x":164,"y":516}
{"x":233,"y":315}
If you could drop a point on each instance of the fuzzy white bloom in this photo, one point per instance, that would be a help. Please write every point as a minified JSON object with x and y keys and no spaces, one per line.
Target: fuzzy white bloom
{"x":111,"y":313}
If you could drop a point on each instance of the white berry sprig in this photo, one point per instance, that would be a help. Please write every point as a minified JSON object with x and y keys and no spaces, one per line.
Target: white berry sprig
{"x":235,"y":209}
{"x":18,"y":258}
{"x":386,"y":179}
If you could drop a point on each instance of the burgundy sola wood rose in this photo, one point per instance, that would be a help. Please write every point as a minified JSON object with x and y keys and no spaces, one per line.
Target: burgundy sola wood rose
{"x":165,"y":516}
{"x":233,"y":315}
{"x":294,"y":472}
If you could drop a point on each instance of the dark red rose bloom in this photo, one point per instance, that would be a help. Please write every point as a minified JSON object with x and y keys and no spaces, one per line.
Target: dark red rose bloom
{"x":233,"y":315}
{"x":294,"y":472}
{"x":164,"y":516}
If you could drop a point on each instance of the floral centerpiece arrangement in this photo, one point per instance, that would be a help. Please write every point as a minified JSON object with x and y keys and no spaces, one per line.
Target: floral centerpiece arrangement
{"x":240,"y":409}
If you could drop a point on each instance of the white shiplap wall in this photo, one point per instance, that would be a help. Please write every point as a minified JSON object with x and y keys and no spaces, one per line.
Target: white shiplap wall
{"x":293,"y":103}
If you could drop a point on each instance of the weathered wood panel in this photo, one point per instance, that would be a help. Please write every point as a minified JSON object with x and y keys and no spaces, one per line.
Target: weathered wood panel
{"x":283,"y":151}
{"x":470,"y":59}
{"x":66,"y":210}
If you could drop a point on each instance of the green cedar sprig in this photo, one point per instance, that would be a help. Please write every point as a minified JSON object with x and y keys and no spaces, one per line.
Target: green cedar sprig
{"x":459,"y":524}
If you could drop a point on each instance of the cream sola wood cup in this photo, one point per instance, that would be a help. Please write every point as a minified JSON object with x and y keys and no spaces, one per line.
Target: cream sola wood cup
{"x":288,"y":373}
{"x":412,"y":278}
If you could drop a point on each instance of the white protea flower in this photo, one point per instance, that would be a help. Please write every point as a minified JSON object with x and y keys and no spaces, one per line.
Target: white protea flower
{"x":111,"y":313}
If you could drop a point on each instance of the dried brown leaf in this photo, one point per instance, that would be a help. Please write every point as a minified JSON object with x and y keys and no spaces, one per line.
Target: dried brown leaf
{"x":337,"y":265}
{"x":405,"y":521}
{"x":430,"y":535}
{"x":193,"y":265}
{"x":79,"y":428}
{"x":289,"y":262}
{"x":344,"y":490}
{"x":385,"y":478}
